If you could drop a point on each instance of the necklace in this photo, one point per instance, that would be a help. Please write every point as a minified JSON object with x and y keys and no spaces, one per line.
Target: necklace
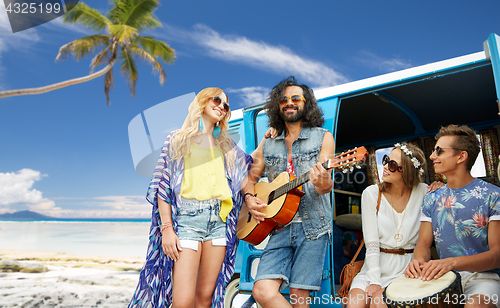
{"x":399,"y":237}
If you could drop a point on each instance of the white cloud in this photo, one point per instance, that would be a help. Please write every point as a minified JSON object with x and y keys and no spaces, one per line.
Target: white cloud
{"x":8,"y":40}
{"x":93,"y":214}
{"x":57,"y":24}
{"x":16,"y":192}
{"x":384,"y":65}
{"x":124,"y":203}
{"x":251,"y":95}
{"x":277,"y":59}
{"x":23,"y":40}
{"x":103,"y":207}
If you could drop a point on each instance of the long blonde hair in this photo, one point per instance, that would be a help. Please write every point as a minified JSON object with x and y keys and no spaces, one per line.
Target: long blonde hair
{"x":182,"y":139}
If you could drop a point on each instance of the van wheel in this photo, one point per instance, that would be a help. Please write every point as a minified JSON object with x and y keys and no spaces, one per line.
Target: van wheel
{"x":232,"y":290}
{"x":234,"y":299}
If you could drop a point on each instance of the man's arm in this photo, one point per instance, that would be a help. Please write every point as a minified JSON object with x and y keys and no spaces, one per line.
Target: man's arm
{"x":422,"y":251}
{"x":476,"y":263}
{"x":256,"y":171}
{"x":319,"y":176}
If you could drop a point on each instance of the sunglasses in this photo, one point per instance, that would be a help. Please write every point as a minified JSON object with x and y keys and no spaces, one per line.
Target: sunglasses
{"x":392,"y":165}
{"x":296,"y":99}
{"x":217,"y":100}
{"x":439,"y":150}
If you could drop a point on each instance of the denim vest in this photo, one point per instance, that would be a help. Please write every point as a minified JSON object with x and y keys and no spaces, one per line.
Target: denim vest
{"x":315,"y":209}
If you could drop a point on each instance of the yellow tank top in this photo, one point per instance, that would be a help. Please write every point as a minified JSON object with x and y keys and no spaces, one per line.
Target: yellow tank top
{"x":205,"y":178}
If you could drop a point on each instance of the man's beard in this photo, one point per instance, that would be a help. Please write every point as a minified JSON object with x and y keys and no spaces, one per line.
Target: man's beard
{"x":290,"y":119}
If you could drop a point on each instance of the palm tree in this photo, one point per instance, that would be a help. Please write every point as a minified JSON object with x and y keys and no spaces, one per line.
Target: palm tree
{"x":120,"y":43}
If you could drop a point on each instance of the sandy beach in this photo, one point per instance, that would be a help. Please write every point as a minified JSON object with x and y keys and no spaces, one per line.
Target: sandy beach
{"x":56,"y":279}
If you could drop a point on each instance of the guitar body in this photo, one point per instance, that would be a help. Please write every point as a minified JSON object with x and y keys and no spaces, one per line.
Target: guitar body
{"x":282,"y":197}
{"x":278,"y":213}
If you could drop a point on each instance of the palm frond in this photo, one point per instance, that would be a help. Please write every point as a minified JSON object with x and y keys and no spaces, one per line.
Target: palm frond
{"x":148,"y":23}
{"x":109,"y":83}
{"x":101,"y":58}
{"x":133,"y":12}
{"x":143,"y":55}
{"x":82,"y":47}
{"x":89,"y":18}
{"x":123,"y":33}
{"x":129,"y":69}
{"x":156,"y":48}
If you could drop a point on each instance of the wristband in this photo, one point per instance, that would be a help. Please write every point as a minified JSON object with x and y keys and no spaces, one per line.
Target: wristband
{"x":165,"y":226}
{"x":248,"y":194}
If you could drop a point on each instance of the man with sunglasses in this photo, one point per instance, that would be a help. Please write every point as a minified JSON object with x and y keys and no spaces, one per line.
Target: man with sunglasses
{"x":295,"y":253}
{"x":463,"y":219}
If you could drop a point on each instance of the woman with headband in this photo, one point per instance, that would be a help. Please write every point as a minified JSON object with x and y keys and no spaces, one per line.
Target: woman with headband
{"x":390,"y":230}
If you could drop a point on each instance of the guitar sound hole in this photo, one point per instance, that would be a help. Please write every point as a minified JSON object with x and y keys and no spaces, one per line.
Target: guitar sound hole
{"x":249,"y":217}
{"x":271,"y":197}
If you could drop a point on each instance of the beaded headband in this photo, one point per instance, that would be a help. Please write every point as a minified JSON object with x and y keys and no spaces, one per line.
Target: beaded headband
{"x":414,"y":160}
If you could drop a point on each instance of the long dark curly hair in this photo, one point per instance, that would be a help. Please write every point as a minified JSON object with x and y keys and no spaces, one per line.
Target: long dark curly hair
{"x":312,"y":116}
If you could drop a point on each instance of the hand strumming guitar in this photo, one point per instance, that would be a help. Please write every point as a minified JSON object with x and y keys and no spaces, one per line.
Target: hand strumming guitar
{"x":255,"y":205}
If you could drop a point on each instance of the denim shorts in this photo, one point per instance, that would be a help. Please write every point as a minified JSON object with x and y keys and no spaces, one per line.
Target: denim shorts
{"x":199,"y":221}
{"x":289,"y":256}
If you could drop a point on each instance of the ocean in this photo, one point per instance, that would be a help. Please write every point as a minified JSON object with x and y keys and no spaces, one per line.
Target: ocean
{"x":104,"y":238}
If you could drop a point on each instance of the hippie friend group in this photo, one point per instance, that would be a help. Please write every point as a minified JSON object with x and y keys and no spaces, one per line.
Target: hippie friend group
{"x":202,"y":178}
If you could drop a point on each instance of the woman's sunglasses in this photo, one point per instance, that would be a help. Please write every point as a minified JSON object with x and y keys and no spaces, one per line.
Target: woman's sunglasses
{"x":217,"y":100}
{"x":296,"y":99}
{"x":391,"y":164}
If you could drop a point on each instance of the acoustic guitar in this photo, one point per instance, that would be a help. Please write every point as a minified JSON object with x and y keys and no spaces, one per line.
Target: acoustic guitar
{"x":282,"y":197}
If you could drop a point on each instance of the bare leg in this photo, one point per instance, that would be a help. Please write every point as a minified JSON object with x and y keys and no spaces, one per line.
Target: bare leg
{"x":210,"y":266}
{"x":184,"y":277}
{"x":358,"y":299}
{"x":266,"y":293}
{"x":377,"y":300}
{"x":479,"y":301}
{"x":301,"y":297}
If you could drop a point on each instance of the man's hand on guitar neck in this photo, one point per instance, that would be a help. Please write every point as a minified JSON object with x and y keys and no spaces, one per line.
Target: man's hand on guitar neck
{"x":255,"y":205}
{"x":321,"y":178}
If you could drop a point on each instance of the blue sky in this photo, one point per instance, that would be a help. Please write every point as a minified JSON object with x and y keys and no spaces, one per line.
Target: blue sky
{"x":65,"y":153}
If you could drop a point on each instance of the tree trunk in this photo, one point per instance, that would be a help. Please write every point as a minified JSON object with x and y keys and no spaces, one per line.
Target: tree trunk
{"x":58,"y":85}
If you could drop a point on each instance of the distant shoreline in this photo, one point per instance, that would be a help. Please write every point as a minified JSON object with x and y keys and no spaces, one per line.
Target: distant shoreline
{"x":34,"y":216}
{"x":59,"y":256}
{"x":78,"y":220}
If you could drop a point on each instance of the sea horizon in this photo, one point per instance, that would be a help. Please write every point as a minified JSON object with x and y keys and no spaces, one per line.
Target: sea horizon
{"x":56,"y":219}
{"x":105,"y":237}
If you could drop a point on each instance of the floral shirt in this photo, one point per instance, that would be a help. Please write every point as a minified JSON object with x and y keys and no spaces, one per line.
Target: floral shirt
{"x":460,"y":217}
{"x":155,"y":281}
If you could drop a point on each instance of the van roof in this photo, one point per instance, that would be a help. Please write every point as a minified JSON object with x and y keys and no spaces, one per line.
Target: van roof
{"x":414,"y":72}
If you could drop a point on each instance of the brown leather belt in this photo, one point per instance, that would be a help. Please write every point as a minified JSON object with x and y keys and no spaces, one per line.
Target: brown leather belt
{"x":396,"y":251}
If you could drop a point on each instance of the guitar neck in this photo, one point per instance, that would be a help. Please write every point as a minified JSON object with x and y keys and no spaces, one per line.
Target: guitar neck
{"x":304,"y":178}
{"x":343,"y":161}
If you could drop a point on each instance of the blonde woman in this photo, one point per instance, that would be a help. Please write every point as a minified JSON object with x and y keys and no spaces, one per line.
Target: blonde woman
{"x":391,"y":234}
{"x":196,"y":198}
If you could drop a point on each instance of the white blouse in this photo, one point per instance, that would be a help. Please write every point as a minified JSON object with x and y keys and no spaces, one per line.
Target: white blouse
{"x":379,"y":231}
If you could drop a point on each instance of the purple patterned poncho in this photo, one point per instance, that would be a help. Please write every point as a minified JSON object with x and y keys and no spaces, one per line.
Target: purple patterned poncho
{"x":155,"y":281}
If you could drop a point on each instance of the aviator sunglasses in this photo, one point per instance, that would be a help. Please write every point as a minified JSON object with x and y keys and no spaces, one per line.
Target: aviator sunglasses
{"x":391,"y":164}
{"x":439,"y":150}
{"x":217,"y":100}
{"x":296,"y":99}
